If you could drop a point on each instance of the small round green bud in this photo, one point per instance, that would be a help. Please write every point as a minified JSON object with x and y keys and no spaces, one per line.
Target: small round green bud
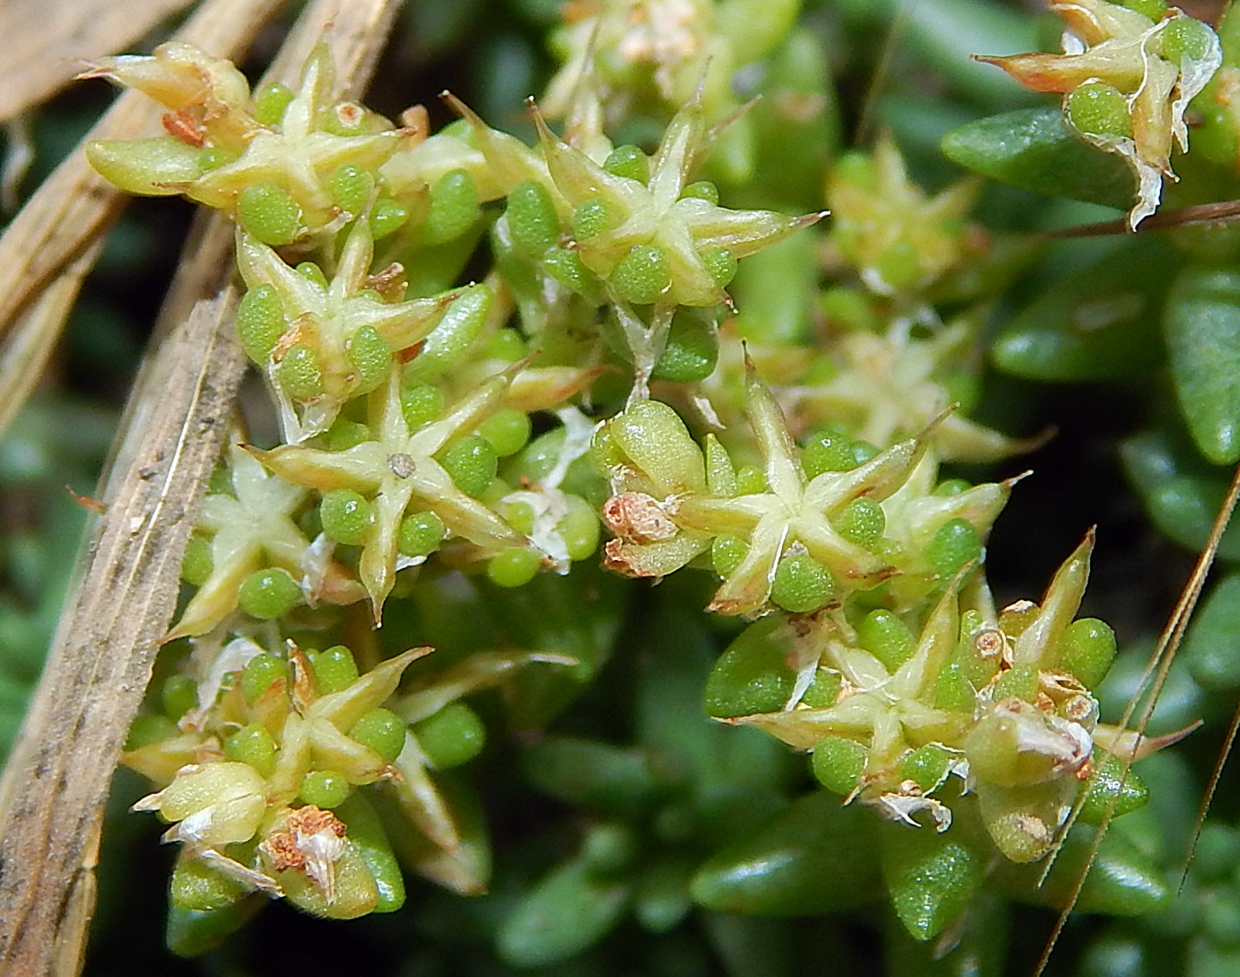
{"x":838,"y":764}
{"x":1087,"y":650}
{"x":802,"y":584}
{"x":579,"y":528}
{"x":260,"y":673}
{"x":213,"y":157}
{"x":198,"y":888}
{"x":863,"y":451}
{"x":269,"y":213}
{"x":1099,"y":109}
{"x":642,"y":275}
{"x":324,"y":788}
{"x":514,"y":567}
{"x":564,"y":265}
{"x":420,"y":534}
{"x":750,"y":480}
{"x":520,"y":516}
{"x":508,"y":429}
{"x":471,"y":463}
{"x":252,"y":744}
{"x":386,"y":217}
{"x":532,"y":219}
{"x":927,"y":766}
{"x":147,"y":729}
{"x":299,"y":374}
{"x":721,"y":264}
{"x":951,"y":486}
{"x":454,"y":207}
{"x":334,"y":669}
{"x":862,"y":522}
{"x":260,"y":322}
{"x":270,"y":101}
{"x":726,"y":553}
{"x":371,"y":357}
{"x":421,"y":404}
{"x":1019,"y":682}
{"x":609,"y":847}
{"x":955,"y":545}
{"x":198,"y":562}
{"x":702,"y":190}
{"x":628,"y":161}
{"x":887,"y":638}
{"x":381,"y":730}
{"x":311,"y":272}
{"x":350,"y":187}
{"x":1185,"y":38}
{"x":1153,"y":9}
{"x":346,"y":516}
{"x":506,"y":345}
{"x":827,"y":451}
{"x":590,"y":218}
{"x":452,"y":736}
{"x":691,"y":352}
{"x":269,"y":593}
{"x":179,"y":695}
{"x":345,"y":434}
{"x":953,"y":691}
{"x":824,"y":691}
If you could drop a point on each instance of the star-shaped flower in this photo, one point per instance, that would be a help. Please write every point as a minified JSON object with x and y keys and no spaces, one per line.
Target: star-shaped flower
{"x":350,"y":330}
{"x":250,"y":530}
{"x":1126,"y":81}
{"x":668,"y":508}
{"x":398,"y":471}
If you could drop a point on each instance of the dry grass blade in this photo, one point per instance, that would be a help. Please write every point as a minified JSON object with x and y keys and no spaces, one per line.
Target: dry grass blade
{"x":75,"y":205}
{"x":56,"y":781}
{"x":38,"y":63}
{"x":1157,"y":668}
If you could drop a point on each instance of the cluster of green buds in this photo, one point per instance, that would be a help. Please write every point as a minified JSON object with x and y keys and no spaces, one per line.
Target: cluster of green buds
{"x":907,"y":718}
{"x":1127,"y":74}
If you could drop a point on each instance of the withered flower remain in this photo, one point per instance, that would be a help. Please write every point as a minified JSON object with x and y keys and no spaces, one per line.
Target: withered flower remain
{"x":1126,"y":81}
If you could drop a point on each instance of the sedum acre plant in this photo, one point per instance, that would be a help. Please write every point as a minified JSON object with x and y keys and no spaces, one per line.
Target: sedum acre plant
{"x":674,"y":329}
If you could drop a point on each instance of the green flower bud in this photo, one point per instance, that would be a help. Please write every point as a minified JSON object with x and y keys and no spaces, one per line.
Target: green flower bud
{"x":863,"y":451}
{"x":564,"y":265}
{"x":827,"y":451}
{"x":260,"y":673}
{"x":609,"y":847}
{"x":312,"y":273}
{"x":420,"y":534}
{"x":1153,"y":9}
{"x":1185,"y":38}
{"x":955,"y":545}
{"x":386,"y":217}
{"x":505,"y":344}
{"x":1020,"y":681}
{"x":178,"y":696}
{"x":299,"y":374}
{"x":1099,"y":109}
{"x":691,"y":352}
{"x":862,"y":522}
{"x":371,"y":357}
{"x":334,"y":669}
{"x":508,"y":429}
{"x":927,"y":766}
{"x":270,"y":101}
{"x":532,"y":219}
{"x":345,"y":434}
{"x":346,"y":516}
{"x":421,"y":404}
{"x":750,"y":480}
{"x":212,"y":158}
{"x":350,"y":187}
{"x":838,"y":764}
{"x":1087,"y":650}
{"x":472,"y":464}
{"x":1103,"y":789}
{"x":721,"y":264}
{"x":702,"y":190}
{"x":579,"y":529}
{"x":147,"y":729}
{"x":951,"y":486}
{"x":514,"y":567}
{"x":825,"y":690}
{"x":197,"y":564}
{"x":642,"y":275}
{"x":454,"y":207}
{"x":269,"y":213}
{"x":268,"y":594}
{"x":252,"y":744}
{"x":324,"y":788}
{"x":381,"y":730}
{"x":802,"y":584}
{"x":520,"y":516}
{"x":260,"y":322}
{"x":452,"y":736}
{"x":197,"y":886}
{"x":628,"y":161}
{"x":726,"y":553}
{"x":590,"y":218}
{"x":954,"y":692}
{"x":887,"y":638}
